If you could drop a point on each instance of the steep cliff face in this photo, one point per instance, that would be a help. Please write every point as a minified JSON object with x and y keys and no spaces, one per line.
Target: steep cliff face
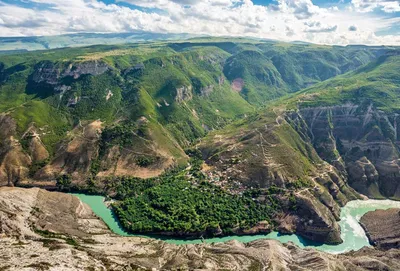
{"x":336,"y":148}
{"x":317,"y":220}
{"x":49,"y":78}
{"x":51,"y":73}
{"x":327,"y":140}
{"x":360,"y":141}
{"x":382,"y":228}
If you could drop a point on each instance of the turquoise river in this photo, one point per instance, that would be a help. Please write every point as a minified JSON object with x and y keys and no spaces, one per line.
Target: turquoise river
{"x":352,"y":234}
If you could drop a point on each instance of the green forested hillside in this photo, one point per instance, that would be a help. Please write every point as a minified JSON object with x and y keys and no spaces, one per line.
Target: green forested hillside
{"x":377,"y":83}
{"x":189,"y":88}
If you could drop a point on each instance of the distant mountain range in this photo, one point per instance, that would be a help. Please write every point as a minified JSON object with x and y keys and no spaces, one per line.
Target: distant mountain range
{"x":82,"y":39}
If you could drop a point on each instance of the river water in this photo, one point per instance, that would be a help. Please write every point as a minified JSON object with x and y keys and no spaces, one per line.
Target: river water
{"x":352,"y":233}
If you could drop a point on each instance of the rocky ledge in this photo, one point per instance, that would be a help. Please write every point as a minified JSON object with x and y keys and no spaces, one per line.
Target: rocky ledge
{"x":382,"y":228}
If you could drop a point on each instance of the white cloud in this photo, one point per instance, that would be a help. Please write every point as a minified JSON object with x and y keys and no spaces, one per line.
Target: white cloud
{"x":302,"y":9}
{"x":318,"y":27}
{"x":286,"y":20}
{"x":388,"y":6}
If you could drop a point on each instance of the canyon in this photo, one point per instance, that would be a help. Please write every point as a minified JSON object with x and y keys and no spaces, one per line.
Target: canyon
{"x":52,"y":231}
{"x":291,"y":133}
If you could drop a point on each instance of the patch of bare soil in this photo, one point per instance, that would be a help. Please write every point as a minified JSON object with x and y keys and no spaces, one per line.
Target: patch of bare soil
{"x":237,"y":84}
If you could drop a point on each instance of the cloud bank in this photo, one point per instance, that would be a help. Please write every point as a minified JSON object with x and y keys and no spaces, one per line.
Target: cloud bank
{"x":355,"y":22}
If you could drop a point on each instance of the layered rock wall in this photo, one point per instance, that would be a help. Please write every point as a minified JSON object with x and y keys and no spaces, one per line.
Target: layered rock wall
{"x":362,"y":142}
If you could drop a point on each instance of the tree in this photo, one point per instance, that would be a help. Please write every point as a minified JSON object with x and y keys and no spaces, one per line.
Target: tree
{"x":64,"y":182}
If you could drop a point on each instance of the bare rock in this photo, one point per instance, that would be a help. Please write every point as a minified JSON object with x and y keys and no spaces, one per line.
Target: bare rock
{"x":14,"y":162}
{"x":366,"y":137}
{"x":206,"y":91}
{"x":316,"y":222}
{"x":50,"y":73}
{"x":75,"y":154}
{"x":382,"y":228}
{"x":183,"y":94}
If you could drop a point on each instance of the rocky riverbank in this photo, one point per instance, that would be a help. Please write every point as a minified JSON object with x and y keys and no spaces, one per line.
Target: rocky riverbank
{"x":383,"y":228}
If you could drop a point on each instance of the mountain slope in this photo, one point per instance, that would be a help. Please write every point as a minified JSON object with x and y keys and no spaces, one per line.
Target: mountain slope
{"x":353,"y":123}
{"x":326,"y":140}
{"x":162,"y":97}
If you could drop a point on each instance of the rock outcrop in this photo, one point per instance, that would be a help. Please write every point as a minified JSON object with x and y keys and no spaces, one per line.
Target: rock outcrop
{"x":51,"y":73}
{"x":183,"y":94}
{"x":382,"y":228}
{"x":337,"y":148}
{"x":207,"y":90}
{"x":360,"y":141}
{"x":14,"y":162}
{"x":49,"y":78}
{"x":36,"y":148}
{"x":27,"y":161}
{"x":315,"y":220}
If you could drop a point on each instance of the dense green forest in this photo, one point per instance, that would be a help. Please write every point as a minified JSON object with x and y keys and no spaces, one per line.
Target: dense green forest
{"x":182,"y":202}
{"x":175,"y":206}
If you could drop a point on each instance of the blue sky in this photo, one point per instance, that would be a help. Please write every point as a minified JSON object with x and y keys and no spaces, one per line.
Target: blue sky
{"x":318,"y":21}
